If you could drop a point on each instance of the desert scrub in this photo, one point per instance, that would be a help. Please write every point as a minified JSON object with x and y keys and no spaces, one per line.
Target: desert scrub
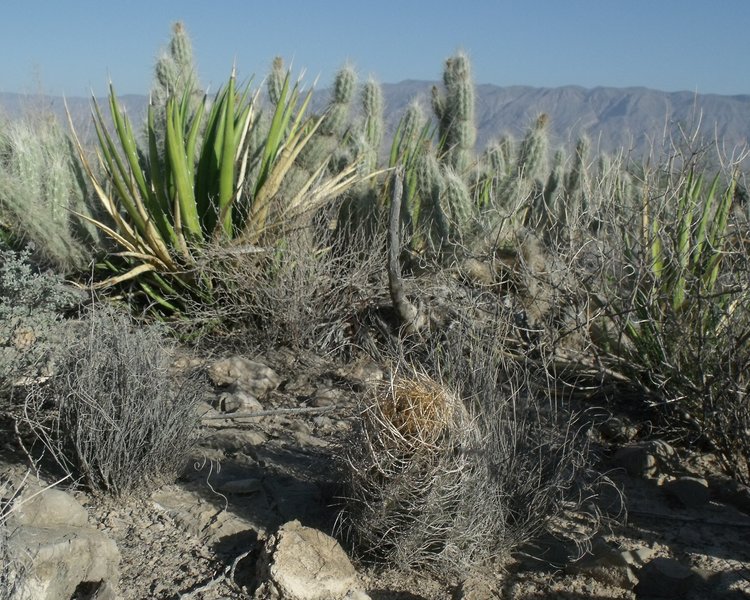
{"x":33,"y":306}
{"x":10,"y":566}
{"x":453,"y":470}
{"x":112,"y":415}
{"x":307,"y":291}
{"x":675,"y":307}
{"x":42,"y":192}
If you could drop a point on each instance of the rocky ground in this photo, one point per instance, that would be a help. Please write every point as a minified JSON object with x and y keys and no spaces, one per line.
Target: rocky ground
{"x":252,"y":514}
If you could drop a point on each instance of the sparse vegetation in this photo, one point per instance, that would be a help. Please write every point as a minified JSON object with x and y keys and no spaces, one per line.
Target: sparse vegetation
{"x":112,"y":416}
{"x":448,"y":473}
{"x":33,"y":305}
{"x":504,"y":290}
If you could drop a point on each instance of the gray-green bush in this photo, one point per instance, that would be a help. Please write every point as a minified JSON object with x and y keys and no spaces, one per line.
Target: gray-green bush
{"x":113,"y":415}
{"x":33,"y":305}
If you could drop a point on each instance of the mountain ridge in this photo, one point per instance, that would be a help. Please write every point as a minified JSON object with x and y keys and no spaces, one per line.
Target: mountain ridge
{"x":632,"y":119}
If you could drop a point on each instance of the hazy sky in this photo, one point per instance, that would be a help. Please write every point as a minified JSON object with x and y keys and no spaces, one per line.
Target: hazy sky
{"x":75,"y":46}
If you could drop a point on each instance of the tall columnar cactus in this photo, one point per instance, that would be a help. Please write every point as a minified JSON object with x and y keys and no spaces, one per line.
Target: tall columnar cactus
{"x":493,"y":168}
{"x":372,"y":134}
{"x":577,"y":184}
{"x":359,"y":211}
{"x":456,"y":203}
{"x":520,"y":191}
{"x":531,"y":162}
{"x":175,"y":70}
{"x":497,"y":157}
{"x":174,"y":75}
{"x":330,"y":138}
{"x":430,"y":225}
{"x":454,"y":110}
{"x":547,"y":215}
{"x":342,"y":94}
{"x":409,"y":144}
{"x":275,"y":82}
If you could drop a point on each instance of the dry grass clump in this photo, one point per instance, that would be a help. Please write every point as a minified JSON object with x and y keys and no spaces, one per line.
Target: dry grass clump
{"x":112,"y":415}
{"x":9,"y":565}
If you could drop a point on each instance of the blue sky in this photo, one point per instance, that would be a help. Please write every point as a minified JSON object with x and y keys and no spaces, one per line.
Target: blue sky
{"x":73,"y":47}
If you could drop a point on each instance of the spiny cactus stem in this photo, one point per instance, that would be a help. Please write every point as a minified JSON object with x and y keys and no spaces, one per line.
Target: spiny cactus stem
{"x":409,"y":313}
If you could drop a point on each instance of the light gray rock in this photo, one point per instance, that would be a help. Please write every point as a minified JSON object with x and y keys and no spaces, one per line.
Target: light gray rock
{"x":201,"y":518}
{"x":301,"y":563}
{"x":239,"y":401}
{"x":250,"y":376}
{"x":48,"y":508}
{"x":51,"y":563}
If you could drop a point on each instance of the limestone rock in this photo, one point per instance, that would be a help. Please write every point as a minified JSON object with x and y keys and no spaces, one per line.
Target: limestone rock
{"x":49,"y":508}
{"x":301,"y":563}
{"x":250,"y":376}
{"x":51,"y":563}
{"x":239,"y":401}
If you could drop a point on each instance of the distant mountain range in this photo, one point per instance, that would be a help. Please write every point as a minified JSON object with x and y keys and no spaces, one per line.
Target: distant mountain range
{"x":633,"y":119}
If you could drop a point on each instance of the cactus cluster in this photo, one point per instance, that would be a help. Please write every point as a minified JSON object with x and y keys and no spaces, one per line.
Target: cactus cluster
{"x":373,"y":108}
{"x":454,"y":110}
{"x":175,"y":75}
{"x":175,"y":71}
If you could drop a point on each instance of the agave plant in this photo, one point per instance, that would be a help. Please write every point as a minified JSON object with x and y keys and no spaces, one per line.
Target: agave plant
{"x":216,"y":179}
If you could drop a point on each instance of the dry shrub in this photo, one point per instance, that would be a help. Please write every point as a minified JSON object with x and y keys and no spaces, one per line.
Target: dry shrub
{"x":112,"y":415}
{"x":306,"y":291}
{"x":453,"y":471}
{"x":670,"y":301}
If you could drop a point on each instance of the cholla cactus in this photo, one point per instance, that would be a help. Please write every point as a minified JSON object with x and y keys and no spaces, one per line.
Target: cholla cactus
{"x":175,"y":72}
{"x":532,"y":156}
{"x":174,"y":75}
{"x":455,"y":112}
{"x":372,"y":134}
{"x":275,"y":81}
